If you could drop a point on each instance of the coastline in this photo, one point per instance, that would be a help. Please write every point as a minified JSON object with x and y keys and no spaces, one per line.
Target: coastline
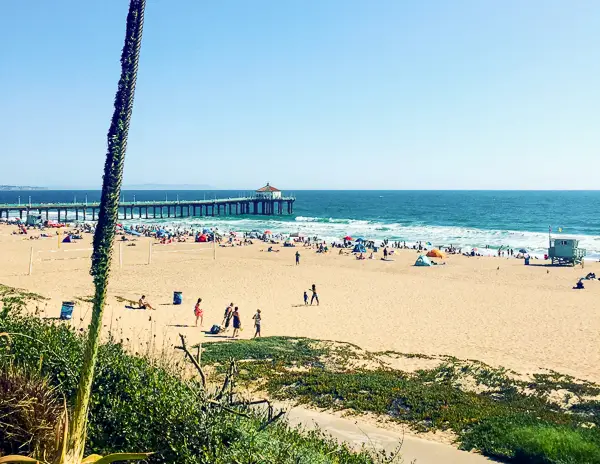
{"x":492,"y":309}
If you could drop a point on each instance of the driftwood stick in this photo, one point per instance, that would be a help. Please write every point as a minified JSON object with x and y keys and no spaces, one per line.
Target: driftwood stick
{"x":193,"y":360}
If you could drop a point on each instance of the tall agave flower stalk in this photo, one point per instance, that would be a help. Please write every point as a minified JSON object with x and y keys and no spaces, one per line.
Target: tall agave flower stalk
{"x":107,"y":219}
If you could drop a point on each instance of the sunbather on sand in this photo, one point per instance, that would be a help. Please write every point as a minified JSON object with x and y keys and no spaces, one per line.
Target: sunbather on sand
{"x":144,"y":304}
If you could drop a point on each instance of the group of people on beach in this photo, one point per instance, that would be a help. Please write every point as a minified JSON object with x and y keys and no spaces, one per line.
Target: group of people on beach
{"x":231,"y":317}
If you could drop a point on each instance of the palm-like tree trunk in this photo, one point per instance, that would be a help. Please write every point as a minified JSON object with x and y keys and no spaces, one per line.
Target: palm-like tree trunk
{"x":107,"y":219}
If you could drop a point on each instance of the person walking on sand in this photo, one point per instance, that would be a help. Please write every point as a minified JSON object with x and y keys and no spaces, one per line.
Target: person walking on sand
{"x":297,"y":258}
{"x":305,"y":298}
{"x":228,"y":315}
{"x":257,"y":319}
{"x":199,"y":313}
{"x":314,"y":296}
{"x":237,"y":323}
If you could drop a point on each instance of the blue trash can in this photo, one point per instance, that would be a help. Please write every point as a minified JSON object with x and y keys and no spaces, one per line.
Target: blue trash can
{"x":177,"y":298}
{"x":66,"y":311}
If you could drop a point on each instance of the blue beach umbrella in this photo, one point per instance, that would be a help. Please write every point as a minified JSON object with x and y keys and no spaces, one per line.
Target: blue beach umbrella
{"x":360,"y":239}
{"x":522,"y":250}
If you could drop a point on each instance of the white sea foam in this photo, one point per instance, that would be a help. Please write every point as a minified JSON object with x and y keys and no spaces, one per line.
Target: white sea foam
{"x":334,"y":229}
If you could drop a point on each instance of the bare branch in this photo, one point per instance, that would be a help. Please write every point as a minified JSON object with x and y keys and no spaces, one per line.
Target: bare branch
{"x":249,"y":403}
{"x":228,"y":380}
{"x":225,"y":408}
{"x":194,"y":362}
{"x":272,"y":420}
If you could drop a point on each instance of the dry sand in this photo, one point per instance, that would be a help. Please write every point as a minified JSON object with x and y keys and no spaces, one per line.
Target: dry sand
{"x":521,"y":317}
{"x":495,"y":310}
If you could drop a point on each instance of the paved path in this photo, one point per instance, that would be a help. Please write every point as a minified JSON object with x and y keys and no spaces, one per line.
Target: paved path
{"x":413,"y":449}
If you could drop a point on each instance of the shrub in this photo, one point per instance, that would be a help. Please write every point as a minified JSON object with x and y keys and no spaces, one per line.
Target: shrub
{"x":554,"y":445}
{"x":138,"y":405}
{"x":526,"y":439}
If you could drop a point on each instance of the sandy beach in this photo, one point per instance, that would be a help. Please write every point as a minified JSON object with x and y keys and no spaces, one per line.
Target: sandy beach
{"x":495,"y":310}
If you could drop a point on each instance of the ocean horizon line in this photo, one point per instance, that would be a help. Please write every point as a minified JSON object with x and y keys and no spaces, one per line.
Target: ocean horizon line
{"x":215,"y":189}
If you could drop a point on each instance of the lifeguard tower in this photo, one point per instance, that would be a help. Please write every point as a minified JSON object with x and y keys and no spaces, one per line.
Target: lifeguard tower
{"x":33,"y":219}
{"x":565,"y":251}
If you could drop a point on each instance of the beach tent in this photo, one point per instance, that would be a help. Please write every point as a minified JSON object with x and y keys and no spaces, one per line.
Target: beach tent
{"x":422,"y":261}
{"x":67,"y":239}
{"x":359,"y":248}
{"x":202,"y":238}
{"x":435,"y":253}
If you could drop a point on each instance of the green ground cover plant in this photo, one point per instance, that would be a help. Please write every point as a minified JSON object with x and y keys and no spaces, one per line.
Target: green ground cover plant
{"x":488,"y":409}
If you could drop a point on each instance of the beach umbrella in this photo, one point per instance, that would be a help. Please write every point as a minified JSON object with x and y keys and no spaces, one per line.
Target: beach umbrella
{"x":522,"y":250}
{"x":347,"y":237}
{"x":360,"y":239}
{"x":267,"y":232}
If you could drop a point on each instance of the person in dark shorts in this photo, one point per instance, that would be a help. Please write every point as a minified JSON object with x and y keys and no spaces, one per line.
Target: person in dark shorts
{"x":257,"y":320}
{"x":314,"y":296}
{"x":237,"y":323}
{"x":297,"y":258}
{"x":228,"y":315}
{"x":305,"y":298}
{"x":144,"y":304}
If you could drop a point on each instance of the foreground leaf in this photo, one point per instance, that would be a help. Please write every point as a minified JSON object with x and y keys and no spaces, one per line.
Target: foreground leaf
{"x":122,"y":457}
{"x":92,"y":458}
{"x":17,"y":458}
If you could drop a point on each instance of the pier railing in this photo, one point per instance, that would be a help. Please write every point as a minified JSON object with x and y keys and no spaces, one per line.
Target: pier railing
{"x":156,"y":208}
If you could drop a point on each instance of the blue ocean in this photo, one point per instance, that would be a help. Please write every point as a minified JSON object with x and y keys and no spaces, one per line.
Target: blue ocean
{"x":518,"y":219}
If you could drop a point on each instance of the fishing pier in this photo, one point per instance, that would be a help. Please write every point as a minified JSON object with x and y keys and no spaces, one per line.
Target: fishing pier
{"x":267,"y":201}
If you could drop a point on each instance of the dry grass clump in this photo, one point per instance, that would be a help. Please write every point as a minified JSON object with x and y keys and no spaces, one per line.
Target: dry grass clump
{"x":30,"y":415}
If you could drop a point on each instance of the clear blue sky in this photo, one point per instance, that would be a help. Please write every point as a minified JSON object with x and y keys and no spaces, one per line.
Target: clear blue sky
{"x":382,"y":94}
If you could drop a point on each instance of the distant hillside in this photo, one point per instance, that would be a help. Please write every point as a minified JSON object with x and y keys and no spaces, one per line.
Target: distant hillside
{"x":21,"y":187}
